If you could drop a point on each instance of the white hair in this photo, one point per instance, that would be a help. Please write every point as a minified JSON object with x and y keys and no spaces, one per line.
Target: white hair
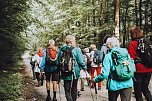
{"x":51,"y":42}
{"x":86,"y":50}
{"x":70,"y":38}
{"x":113,"y":41}
{"x":93,"y":46}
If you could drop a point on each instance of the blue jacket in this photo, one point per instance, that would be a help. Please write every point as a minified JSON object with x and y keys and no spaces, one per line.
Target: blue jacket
{"x":108,"y":66}
{"x":48,"y":68}
{"x":79,"y":62}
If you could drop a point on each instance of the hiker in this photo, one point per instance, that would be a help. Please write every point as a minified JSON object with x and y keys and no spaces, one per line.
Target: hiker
{"x":143,"y":73}
{"x":32,"y":62}
{"x":50,"y":66}
{"x":38,"y":60}
{"x":95,"y":64}
{"x":87,"y":59}
{"x":115,"y":86}
{"x":72,"y":60}
{"x":104,"y":50}
{"x":84,"y":75}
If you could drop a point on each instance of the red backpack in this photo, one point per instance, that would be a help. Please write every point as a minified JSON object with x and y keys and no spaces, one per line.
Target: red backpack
{"x":40,"y":53}
{"x":51,"y":56}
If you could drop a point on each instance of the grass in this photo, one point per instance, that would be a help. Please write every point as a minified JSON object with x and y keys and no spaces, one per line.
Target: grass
{"x":10,"y":83}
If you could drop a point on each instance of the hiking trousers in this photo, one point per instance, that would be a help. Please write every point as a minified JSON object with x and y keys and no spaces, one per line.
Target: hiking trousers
{"x":70,"y":87}
{"x":125,"y":94}
{"x":98,"y":71}
{"x":141,"y":84}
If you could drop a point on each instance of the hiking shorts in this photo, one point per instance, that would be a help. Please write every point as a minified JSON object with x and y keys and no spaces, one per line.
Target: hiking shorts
{"x":52,"y":76}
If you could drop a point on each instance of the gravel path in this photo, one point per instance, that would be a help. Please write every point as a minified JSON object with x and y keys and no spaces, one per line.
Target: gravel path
{"x":87,"y":95}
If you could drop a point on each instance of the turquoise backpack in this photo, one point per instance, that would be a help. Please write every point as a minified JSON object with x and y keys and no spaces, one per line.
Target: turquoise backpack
{"x":123,"y":64}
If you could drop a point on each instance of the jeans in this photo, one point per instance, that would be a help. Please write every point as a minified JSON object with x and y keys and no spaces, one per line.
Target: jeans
{"x":125,"y":94}
{"x":141,"y":84}
{"x":70,"y":87}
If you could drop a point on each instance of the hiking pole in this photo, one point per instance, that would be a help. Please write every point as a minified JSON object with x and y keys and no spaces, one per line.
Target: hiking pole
{"x":95,"y":88}
{"x":95,"y":91}
{"x":89,"y":84}
{"x":91,"y":91}
{"x":59,"y":84}
{"x":59,"y":91}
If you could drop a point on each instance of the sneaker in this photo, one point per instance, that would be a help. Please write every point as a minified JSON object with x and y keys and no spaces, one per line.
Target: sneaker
{"x":54,"y":99}
{"x":48,"y":98}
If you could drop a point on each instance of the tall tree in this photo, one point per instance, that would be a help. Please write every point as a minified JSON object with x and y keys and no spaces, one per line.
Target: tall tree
{"x":117,"y":18}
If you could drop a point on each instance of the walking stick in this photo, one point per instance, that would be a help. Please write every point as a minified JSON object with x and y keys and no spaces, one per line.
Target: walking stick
{"x":96,"y":91}
{"x":95,"y":88}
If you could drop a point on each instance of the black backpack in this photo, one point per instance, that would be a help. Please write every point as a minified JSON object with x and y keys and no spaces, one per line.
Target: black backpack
{"x":67,"y":62}
{"x":144,"y":52}
{"x":97,"y":57}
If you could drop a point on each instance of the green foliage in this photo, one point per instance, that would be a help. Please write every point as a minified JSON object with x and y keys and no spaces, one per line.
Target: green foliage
{"x":10,"y":87}
{"x":13,"y":21}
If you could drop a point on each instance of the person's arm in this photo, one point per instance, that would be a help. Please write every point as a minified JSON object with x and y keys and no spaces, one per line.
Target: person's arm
{"x":132,"y":50}
{"x":42,"y":66}
{"x":105,"y":70}
{"x":80,"y":59}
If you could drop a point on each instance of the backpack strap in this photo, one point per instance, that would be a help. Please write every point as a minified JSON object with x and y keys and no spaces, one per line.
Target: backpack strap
{"x":115,"y":58}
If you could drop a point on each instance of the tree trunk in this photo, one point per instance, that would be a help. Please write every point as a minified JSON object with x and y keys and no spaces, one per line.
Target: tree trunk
{"x":117,"y":19}
{"x":101,"y":13}
{"x":70,"y":3}
{"x":93,"y":19}
{"x":140,"y":13}
{"x":125,"y":25}
{"x":136,"y":12}
{"x":146,"y":17}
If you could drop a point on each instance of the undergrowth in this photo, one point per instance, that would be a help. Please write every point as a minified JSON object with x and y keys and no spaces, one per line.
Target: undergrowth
{"x":10,"y":83}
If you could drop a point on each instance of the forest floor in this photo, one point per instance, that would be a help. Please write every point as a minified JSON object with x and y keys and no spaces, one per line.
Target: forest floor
{"x":31,"y":92}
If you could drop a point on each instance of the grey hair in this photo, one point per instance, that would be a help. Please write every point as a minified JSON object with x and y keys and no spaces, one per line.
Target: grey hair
{"x":51,"y":42}
{"x":70,"y":38}
{"x":114,"y":42}
{"x":93,"y":46}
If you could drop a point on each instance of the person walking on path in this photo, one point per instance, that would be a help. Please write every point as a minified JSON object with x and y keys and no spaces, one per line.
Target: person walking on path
{"x":94,"y":66}
{"x":142,"y":74}
{"x":104,"y":50}
{"x":70,"y":68}
{"x":115,"y":87}
{"x":38,"y":59}
{"x":32,"y":62}
{"x":50,"y":66}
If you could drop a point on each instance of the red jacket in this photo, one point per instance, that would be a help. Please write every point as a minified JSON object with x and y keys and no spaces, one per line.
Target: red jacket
{"x":140,"y":68}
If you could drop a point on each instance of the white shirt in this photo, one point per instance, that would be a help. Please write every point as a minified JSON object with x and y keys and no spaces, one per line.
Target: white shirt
{"x":38,"y":61}
{"x":91,"y":59}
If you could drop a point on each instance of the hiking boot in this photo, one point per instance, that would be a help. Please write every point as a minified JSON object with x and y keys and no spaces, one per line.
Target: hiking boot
{"x":92,"y":86}
{"x":79,"y":93}
{"x":48,"y":98}
{"x":82,"y":89}
{"x":99,"y":88}
{"x":39,"y":84}
{"x":54,"y":99}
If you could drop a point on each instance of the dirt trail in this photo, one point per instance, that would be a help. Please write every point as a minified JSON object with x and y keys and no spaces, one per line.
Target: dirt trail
{"x":33,"y":93}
